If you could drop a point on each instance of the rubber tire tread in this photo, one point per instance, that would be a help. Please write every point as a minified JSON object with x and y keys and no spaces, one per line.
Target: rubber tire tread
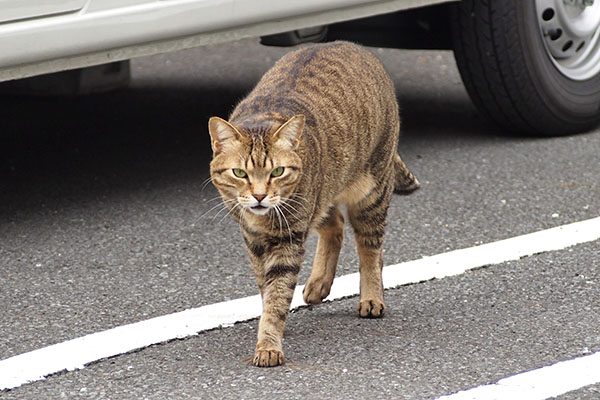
{"x":500,"y":73}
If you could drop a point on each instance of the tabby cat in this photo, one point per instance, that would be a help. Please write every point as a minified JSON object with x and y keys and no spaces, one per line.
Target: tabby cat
{"x":320,"y":130}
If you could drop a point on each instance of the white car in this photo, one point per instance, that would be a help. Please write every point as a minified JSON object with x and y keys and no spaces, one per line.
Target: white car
{"x":530,"y":65}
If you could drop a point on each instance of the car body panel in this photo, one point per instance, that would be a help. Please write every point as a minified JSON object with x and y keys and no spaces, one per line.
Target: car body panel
{"x":112,"y":30}
{"x":14,"y":10}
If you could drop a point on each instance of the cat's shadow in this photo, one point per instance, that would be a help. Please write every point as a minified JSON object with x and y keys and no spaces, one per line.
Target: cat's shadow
{"x":57,"y":149}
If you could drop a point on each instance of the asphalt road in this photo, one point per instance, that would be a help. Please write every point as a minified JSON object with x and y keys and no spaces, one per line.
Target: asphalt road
{"x":104,"y":222}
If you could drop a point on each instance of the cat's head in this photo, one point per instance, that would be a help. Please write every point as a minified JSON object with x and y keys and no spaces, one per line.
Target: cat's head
{"x":259,"y":171}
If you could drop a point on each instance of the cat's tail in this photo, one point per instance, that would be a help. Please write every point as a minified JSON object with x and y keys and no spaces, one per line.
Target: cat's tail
{"x":405,"y":182}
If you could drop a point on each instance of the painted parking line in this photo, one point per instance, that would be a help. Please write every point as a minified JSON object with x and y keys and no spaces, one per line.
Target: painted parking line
{"x":538,"y":384}
{"x":75,"y":354}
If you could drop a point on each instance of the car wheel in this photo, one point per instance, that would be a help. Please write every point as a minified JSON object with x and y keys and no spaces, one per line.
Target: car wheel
{"x":532,"y":66}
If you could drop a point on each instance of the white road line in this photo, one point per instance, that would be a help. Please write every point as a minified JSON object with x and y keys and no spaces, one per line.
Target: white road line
{"x":75,"y":354}
{"x":538,"y":384}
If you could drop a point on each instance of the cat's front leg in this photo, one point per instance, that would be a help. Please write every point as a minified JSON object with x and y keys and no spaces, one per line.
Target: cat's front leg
{"x":280,"y":278}
{"x":256,"y":251}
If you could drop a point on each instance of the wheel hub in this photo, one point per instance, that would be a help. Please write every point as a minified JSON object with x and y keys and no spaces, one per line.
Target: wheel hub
{"x":571,"y":30}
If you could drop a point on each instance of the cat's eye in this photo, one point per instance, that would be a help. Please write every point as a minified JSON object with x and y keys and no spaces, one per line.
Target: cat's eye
{"x":240,"y":173}
{"x":277,"y":172}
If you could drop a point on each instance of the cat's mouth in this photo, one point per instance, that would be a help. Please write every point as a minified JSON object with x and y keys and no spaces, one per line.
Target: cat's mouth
{"x":259,"y":209}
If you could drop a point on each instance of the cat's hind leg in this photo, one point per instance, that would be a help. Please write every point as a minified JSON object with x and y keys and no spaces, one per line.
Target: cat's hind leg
{"x":368,"y":219}
{"x":331,"y":237}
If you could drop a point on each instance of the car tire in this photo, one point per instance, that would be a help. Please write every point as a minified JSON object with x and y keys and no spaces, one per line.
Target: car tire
{"x":511,"y":73}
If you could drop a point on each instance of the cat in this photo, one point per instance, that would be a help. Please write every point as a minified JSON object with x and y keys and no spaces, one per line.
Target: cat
{"x":319,"y":131}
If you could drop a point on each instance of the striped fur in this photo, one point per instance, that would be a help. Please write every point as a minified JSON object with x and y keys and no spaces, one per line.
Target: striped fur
{"x":328,"y":115}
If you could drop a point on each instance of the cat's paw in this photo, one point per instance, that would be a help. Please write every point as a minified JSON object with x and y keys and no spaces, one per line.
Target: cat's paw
{"x":371,"y":308}
{"x":268,"y":358}
{"x":315,"y":291}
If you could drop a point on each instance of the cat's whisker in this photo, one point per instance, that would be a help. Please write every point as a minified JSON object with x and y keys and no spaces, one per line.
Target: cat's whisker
{"x":290,"y":199}
{"x":289,"y":204}
{"x":282,"y":217}
{"x":205,"y":183}
{"x":292,"y":210}
{"x":286,"y":222}
{"x":298,"y":195}
{"x":226,"y":209}
{"x":217,"y":198}
{"x":222,"y":202}
{"x":229,"y":212}
{"x":220,"y":211}
{"x":279,"y":218}
{"x":225,"y":202}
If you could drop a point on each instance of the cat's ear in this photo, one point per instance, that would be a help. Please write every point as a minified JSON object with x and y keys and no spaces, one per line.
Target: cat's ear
{"x":222,"y":134}
{"x":288,"y":136}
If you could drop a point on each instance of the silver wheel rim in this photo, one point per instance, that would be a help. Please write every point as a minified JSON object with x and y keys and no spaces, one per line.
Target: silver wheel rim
{"x":571,"y":33}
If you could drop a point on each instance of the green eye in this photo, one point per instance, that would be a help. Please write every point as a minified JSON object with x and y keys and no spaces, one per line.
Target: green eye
{"x":277,"y":172}
{"x":240,"y":173}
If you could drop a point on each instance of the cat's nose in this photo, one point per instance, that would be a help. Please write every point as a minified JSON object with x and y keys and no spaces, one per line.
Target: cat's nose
{"x":259,"y":197}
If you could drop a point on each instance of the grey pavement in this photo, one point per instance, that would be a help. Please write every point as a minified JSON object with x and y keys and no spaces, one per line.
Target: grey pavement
{"x":104,"y":221}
